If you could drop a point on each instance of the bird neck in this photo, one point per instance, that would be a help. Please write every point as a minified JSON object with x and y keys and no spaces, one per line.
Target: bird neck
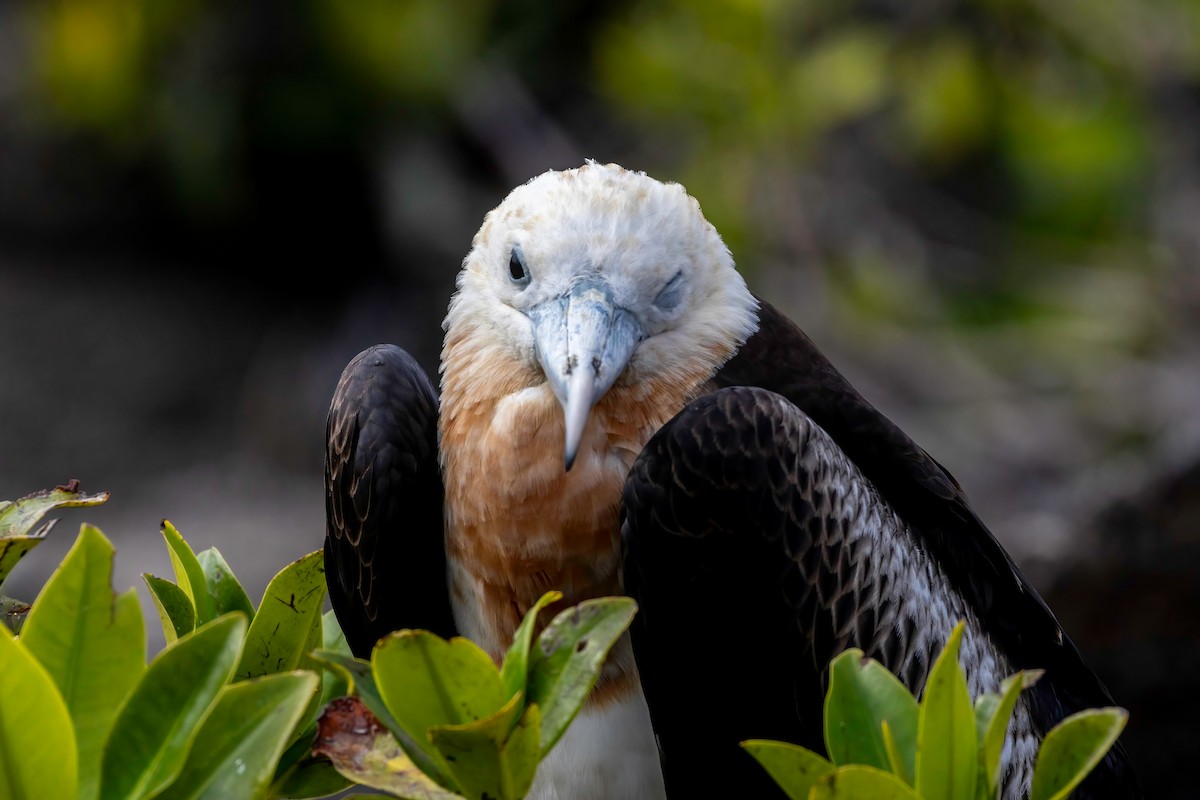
{"x":517,"y":524}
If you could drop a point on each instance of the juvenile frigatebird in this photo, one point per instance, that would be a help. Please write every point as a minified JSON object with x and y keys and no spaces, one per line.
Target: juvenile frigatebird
{"x":620,"y":414}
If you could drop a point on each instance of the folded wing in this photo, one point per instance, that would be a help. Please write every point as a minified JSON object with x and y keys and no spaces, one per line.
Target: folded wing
{"x":385,"y":561}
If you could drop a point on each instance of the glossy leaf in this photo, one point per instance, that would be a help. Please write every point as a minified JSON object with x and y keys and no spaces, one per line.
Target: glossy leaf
{"x":13,"y":613}
{"x":1072,"y":749}
{"x":897,"y":763}
{"x":149,"y":742}
{"x":862,"y":783}
{"x":862,"y":695}
{"x":993,"y":712}
{"x":523,"y":750}
{"x":479,"y":756}
{"x":426,"y":680}
{"x":175,"y":609}
{"x":91,"y":642}
{"x":13,"y":549}
{"x":364,"y":751}
{"x":37,"y":740}
{"x":796,"y":769}
{"x":307,"y":722}
{"x":361,"y":683}
{"x":18,"y":517}
{"x":189,"y":574}
{"x":947,"y":759}
{"x":281,"y":633}
{"x":334,"y":684}
{"x":309,"y":779}
{"x":566,"y":660}
{"x":297,"y":751}
{"x":223,"y":586}
{"x":516,"y":661}
{"x":236,"y":749}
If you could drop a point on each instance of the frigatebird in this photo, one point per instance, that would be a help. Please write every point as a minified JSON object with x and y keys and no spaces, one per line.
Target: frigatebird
{"x":619,"y":413}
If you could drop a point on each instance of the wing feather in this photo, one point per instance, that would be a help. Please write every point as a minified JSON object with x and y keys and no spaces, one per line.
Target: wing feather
{"x":781,"y":358}
{"x":730,"y":463}
{"x":385,"y":561}
{"x":731,"y":637}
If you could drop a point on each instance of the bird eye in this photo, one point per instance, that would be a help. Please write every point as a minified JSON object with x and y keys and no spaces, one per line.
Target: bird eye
{"x":671,"y":294}
{"x":516,"y":266}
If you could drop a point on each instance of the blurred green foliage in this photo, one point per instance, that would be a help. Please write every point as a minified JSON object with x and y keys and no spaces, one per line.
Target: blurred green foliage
{"x":1021,"y":131}
{"x":415,"y":50}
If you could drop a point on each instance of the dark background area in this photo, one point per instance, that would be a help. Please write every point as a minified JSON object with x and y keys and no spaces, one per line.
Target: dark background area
{"x":987,"y":213}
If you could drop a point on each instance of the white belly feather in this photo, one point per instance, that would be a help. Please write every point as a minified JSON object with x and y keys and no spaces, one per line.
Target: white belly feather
{"x":607,"y":753}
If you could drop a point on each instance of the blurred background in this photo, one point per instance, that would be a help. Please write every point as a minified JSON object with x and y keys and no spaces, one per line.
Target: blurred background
{"x":986,"y":212}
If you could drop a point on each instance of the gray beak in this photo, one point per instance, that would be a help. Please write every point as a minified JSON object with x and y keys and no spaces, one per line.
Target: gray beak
{"x":584,"y":340}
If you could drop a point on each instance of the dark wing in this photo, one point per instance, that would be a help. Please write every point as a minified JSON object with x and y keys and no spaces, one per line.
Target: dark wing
{"x":707,"y":516}
{"x":757,"y":552}
{"x":780,"y":357}
{"x":731,"y":442}
{"x":385,"y":561}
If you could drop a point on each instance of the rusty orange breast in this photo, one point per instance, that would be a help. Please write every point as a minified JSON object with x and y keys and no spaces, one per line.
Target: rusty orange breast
{"x":517,"y":523}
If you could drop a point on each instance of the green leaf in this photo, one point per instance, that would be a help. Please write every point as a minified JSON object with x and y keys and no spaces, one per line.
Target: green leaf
{"x":311,"y":778}
{"x":568,"y":656}
{"x":148,"y":744}
{"x":312,"y":709}
{"x":13,"y":613}
{"x":986,"y":705}
{"x":91,"y":642}
{"x":360,"y":682}
{"x":18,"y":517}
{"x":476,"y":754}
{"x":360,"y":748}
{"x":794,"y":768}
{"x":189,"y":574}
{"x":175,"y":609}
{"x":516,"y":662}
{"x":13,"y":549}
{"x":858,"y":782}
{"x":992,"y":716}
{"x":426,"y":680}
{"x":37,"y":740}
{"x":332,"y":637}
{"x":333,"y":684}
{"x":297,"y":750}
{"x":947,"y":758}
{"x":223,"y":586}
{"x":281,"y":633}
{"x":1073,"y":748}
{"x":239,"y":743}
{"x":862,"y":695}
{"x":523,"y":751}
{"x":897,"y":762}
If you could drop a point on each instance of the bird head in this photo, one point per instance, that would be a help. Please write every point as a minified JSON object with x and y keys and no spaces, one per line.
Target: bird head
{"x":598,"y":276}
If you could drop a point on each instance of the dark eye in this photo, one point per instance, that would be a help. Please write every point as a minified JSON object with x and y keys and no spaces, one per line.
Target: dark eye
{"x":516,"y":266}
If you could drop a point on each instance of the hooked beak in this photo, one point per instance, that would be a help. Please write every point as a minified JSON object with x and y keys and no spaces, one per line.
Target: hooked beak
{"x":584,"y":340}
